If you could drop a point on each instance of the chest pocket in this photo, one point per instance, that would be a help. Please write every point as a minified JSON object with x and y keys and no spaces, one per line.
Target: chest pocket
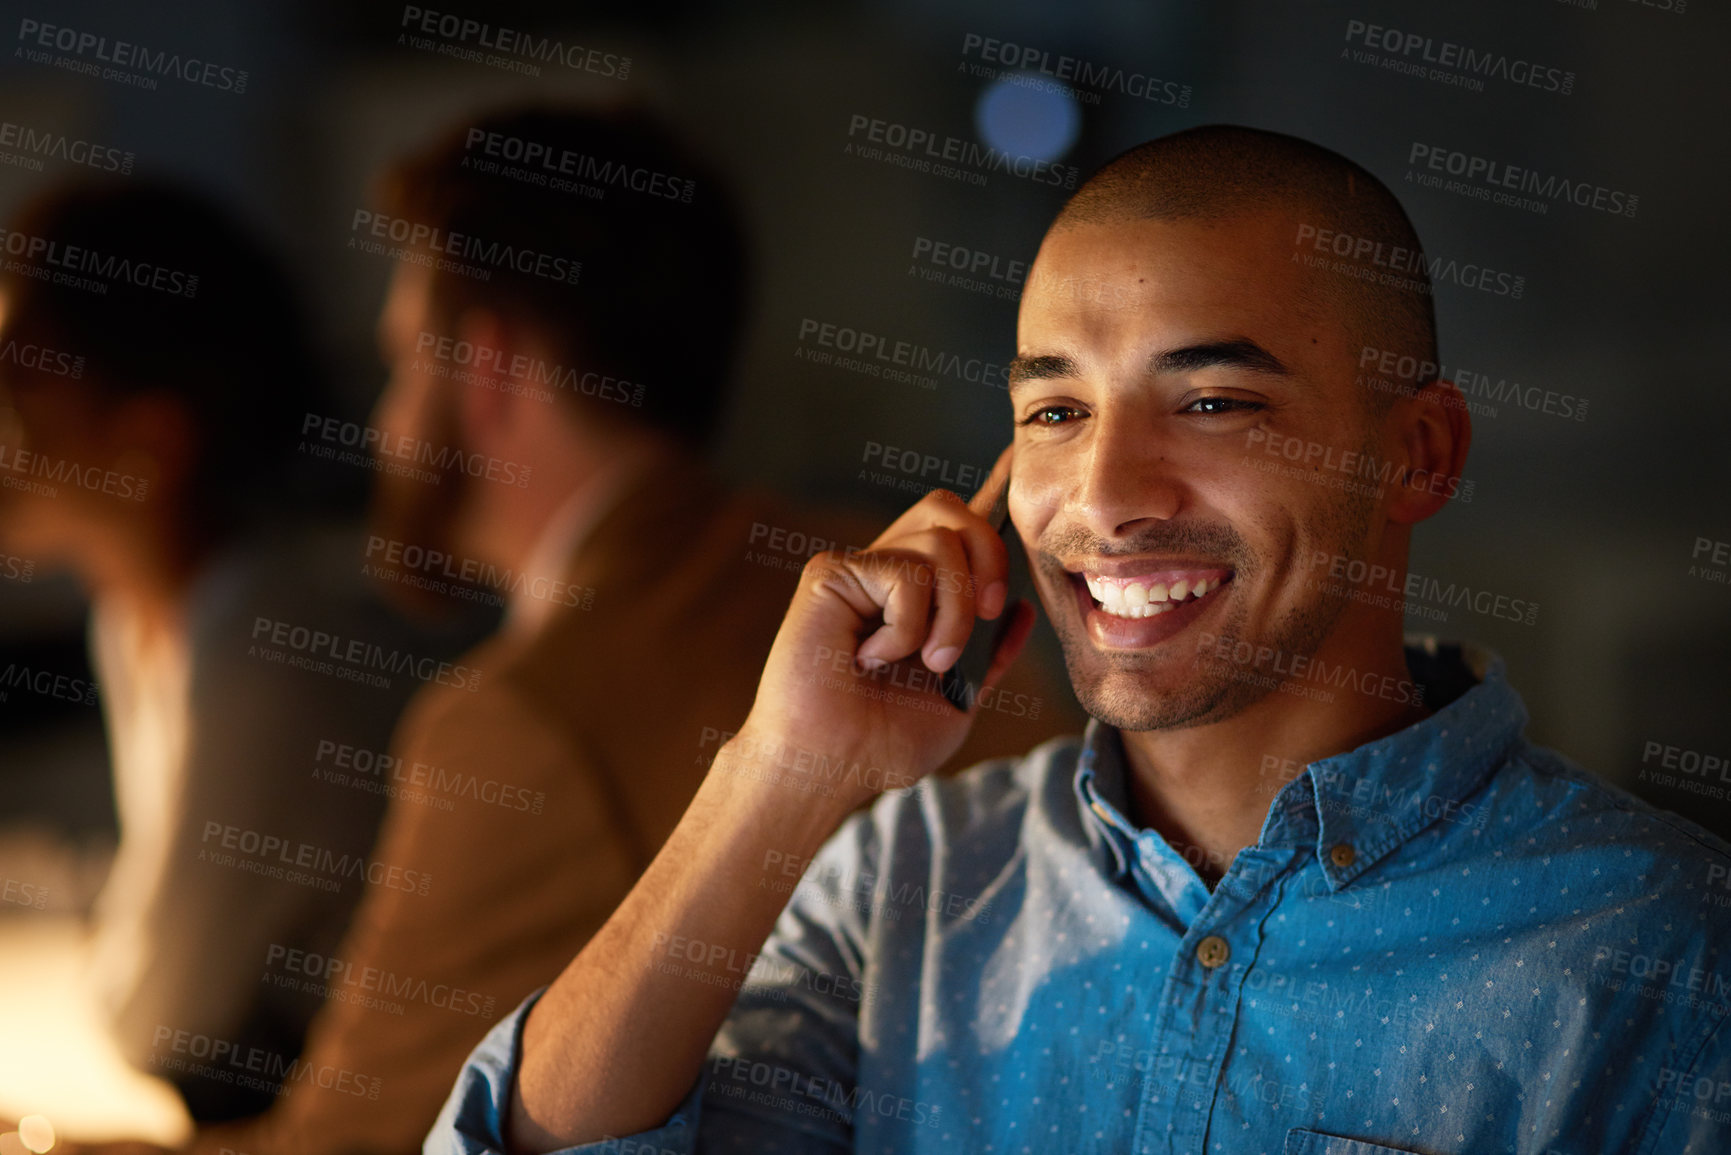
{"x":1302,"y":1142}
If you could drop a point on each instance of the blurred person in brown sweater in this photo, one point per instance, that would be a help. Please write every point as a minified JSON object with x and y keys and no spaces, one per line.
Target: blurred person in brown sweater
{"x":568,"y":295}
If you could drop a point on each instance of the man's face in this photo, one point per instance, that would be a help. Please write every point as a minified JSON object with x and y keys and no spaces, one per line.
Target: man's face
{"x":1162,"y":369}
{"x":422,"y":408}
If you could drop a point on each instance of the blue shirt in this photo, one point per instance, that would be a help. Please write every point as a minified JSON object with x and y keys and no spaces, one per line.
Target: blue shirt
{"x":1446,"y":940}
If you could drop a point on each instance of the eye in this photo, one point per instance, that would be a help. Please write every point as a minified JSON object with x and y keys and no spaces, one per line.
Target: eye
{"x":1051,"y":415}
{"x":1217,"y":406}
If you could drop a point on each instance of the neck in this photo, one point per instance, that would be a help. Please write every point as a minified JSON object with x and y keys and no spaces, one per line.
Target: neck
{"x":507,"y":528}
{"x":1206,"y":789}
{"x":146,"y":566}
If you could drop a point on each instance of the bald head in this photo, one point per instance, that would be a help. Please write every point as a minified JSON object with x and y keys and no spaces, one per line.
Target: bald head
{"x":1217,"y":172}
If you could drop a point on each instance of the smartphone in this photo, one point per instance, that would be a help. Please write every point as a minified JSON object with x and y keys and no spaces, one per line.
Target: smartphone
{"x":963,"y":681}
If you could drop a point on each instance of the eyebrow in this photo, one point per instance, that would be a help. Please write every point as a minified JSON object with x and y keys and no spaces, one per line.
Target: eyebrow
{"x":1240,"y":353}
{"x":1039,"y":368}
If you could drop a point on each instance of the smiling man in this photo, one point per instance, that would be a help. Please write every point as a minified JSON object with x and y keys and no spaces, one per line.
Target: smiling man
{"x":1298,"y":888}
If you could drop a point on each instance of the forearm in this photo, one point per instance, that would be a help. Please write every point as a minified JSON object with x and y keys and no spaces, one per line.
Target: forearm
{"x":620,"y":1037}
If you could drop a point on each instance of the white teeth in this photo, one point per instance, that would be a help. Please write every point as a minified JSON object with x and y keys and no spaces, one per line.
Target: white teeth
{"x":1123,"y":610}
{"x":1135,"y":600}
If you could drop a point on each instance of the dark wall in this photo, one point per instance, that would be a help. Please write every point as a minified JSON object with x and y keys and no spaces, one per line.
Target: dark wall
{"x":1595,"y":516}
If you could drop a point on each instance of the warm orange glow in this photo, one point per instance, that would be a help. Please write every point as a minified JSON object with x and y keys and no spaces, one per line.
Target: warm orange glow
{"x":55,"y":1060}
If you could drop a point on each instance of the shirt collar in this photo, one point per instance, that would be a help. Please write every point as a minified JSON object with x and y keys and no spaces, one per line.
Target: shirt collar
{"x":1378,"y":796}
{"x":1369,"y":800}
{"x":1102,"y":792}
{"x":563,"y":535}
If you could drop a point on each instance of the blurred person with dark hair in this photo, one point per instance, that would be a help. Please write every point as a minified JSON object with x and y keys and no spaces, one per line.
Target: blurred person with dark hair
{"x":565,"y":326}
{"x":154,"y":373}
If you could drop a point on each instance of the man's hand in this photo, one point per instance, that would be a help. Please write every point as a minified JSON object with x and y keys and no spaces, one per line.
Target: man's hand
{"x":856,"y":666}
{"x":621,"y":1036}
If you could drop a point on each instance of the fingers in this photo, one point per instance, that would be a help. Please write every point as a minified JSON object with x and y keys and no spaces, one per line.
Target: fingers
{"x":902,"y":585}
{"x":988,"y":568}
{"x":989,"y":558}
{"x":925,"y":586}
{"x":953,"y":595}
{"x":997,"y":481}
{"x":926,"y":578}
{"x":988,"y":562}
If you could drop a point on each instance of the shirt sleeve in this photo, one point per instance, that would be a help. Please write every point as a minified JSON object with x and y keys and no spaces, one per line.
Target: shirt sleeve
{"x":782,"y":1072}
{"x":780,"y":1075}
{"x":473,"y":1119}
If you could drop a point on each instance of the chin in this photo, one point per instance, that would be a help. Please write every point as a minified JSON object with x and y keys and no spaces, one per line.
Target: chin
{"x":1142,"y":701}
{"x":1169,"y":688}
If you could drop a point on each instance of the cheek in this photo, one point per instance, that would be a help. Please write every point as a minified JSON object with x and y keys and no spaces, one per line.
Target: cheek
{"x":402,"y":408}
{"x":1270,"y":523}
{"x":1037,"y":489}
{"x":1030,"y":521}
{"x":1309,"y":539}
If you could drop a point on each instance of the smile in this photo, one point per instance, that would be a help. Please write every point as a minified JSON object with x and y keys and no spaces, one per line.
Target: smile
{"x":1149,"y":595}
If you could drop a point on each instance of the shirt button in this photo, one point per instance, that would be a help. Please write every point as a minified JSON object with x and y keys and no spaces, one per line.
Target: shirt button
{"x":1343,"y":855}
{"x":1212,"y":951}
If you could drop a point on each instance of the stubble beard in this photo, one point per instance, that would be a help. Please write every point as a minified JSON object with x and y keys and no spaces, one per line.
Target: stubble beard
{"x":418,"y":512}
{"x":1114,"y":686}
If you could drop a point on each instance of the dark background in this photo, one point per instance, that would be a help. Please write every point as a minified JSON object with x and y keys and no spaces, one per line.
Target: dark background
{"x":1594,"y":521}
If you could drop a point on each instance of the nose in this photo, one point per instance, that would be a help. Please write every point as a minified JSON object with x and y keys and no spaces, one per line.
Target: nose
{"x":1125,"y":478}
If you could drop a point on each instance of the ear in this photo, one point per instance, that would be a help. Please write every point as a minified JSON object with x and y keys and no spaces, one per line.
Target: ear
{"x":1435,"y":432}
